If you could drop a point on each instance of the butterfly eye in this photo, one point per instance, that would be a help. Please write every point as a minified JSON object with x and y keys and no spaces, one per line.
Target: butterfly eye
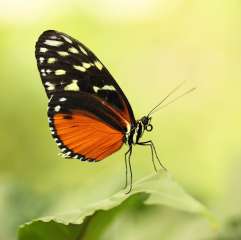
{"x":148,"y":128}
{"x":145,"y":120}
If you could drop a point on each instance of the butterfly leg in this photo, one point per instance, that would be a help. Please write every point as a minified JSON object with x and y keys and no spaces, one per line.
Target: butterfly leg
{"x":152,"y":154}
{"x":153,"y":150}
{"x":128,"y":167}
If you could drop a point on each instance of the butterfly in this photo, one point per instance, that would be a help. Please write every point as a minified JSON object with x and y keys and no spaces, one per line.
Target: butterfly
{"x":89,"y":116}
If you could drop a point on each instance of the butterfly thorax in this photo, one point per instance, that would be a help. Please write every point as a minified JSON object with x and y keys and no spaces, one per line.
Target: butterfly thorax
{"x":137,"y":131}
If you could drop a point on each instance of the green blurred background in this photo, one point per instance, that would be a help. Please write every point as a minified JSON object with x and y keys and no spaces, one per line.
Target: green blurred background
{"x":149,"y":46}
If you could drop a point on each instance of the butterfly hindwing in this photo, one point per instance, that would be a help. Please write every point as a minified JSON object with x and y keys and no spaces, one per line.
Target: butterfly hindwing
{"x":84,"y":128}
{"x":65,"y":64}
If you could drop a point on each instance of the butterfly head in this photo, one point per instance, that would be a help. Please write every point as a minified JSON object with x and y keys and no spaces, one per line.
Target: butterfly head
{"x":146,"y":122}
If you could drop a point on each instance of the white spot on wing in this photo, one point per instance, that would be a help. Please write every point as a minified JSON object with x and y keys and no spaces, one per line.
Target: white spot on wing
{"x":53,"y":37}
{"x":73,"y":50}
{"x":63,"y":53}
{"x":83,"y":50}
{"x":41,"y":59}
{"x":68,"y":153}
{"x":66,"y":39}
{"x":62,"y":99}
{"x":57,"y":108}
{"x":86,"y":65}
{"x":108,"y":87}
{"x":48,"y":71}
{"x":72,"y":86}
{"x":51,"y":60}
{"x":50,"y":86}
{"x":53,"y":43}
{"x":60,"y":72}
{"x":43,"y":49}
{"x":80,"y":68}
{"x":96,"y":89}
{"x":98,"y":65}
{"x":105,"y":87}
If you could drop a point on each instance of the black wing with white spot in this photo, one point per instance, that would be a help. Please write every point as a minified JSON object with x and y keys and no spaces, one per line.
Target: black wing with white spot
{"x":66,"y":65}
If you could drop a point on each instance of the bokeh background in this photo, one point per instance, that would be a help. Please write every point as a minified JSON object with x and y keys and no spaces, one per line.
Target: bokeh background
{"x":149,"y":46}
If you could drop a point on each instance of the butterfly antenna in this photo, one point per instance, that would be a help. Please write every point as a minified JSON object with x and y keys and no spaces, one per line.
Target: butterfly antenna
{"x":175,"y":99}
{"x":167,"y":96}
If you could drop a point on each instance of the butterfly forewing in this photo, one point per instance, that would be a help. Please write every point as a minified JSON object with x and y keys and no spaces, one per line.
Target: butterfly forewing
{"x":89,"y":114}
{"x":65,"y":64}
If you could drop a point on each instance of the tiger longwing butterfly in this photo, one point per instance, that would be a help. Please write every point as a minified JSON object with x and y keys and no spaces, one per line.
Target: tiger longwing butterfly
{"x":89,"y":115}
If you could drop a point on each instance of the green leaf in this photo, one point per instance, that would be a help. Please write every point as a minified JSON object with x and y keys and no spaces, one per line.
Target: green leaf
{"x":231,"y":229}
{"x":158,"y":189}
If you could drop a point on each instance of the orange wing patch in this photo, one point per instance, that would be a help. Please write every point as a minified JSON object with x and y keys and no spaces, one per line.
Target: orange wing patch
{"x":87,"y":136}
